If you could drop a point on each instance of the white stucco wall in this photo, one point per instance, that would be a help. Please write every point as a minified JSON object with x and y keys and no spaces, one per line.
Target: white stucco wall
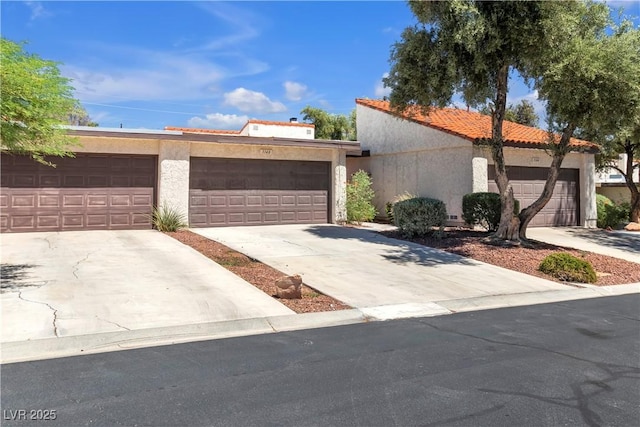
{"x":281,"y":131}
{"x":173,"y":175}
{"x":409,"y":157}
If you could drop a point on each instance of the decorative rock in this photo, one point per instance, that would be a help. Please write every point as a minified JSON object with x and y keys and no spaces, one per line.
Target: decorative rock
{"x":289,"y":287}
{"x":632,"y":226}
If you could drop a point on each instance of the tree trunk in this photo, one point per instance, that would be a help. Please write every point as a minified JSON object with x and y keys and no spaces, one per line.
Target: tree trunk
{"x":630,"y":150}
{"x":509,"y":223}
{"x":559,"y":152}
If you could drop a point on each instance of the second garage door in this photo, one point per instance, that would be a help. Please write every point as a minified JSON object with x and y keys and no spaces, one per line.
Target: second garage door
{"x":528,"y":183}
{"x":228,"y":192}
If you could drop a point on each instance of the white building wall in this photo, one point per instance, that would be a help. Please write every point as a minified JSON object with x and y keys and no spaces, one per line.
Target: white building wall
{"x":409,"y":157}
{"x":280,"y":131}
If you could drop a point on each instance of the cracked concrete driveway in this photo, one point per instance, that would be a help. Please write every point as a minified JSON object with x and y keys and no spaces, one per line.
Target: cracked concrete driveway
{"x":76,"y":283}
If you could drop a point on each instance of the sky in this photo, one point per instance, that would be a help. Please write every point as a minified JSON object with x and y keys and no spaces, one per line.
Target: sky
{"x":151,"y":64}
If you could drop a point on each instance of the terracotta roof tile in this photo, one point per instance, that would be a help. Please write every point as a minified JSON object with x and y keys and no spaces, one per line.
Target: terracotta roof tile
{"x":197,"y":130}
{"x":470,"y":125}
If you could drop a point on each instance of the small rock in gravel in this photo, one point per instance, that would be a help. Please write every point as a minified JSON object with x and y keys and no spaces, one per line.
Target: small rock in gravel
{"x":289,"y":287}
{"x":632,"y":226}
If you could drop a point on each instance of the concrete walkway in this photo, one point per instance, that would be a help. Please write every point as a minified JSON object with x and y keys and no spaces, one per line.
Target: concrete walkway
{"x":367,"y":270}
{"x":87,"y":282}
{"x":619,"y":243}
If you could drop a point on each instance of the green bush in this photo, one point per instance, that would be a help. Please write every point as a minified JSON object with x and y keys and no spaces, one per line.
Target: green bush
{"x":568,"y":268}
{"x":419,"y":216}
{"x":167,"y":218}
{"x":399,"y":198}
{"x":359,"y":198}
{"x":609,"y":213}
{"x":484,"y":209}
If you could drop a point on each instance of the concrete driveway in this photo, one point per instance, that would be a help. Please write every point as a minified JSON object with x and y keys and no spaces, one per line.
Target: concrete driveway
{"x":618,"y":243}
{"x":365,"y":269}
{"x":75,"y":283}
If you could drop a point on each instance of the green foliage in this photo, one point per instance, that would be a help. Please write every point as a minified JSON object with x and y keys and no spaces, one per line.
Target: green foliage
{"x":483,"y":209}
{"x":36,"y":100}
{"x":80,"y":117}
{"x":331,"y":126}
{"x":523,"y":113}
{"x":399,"y":198}
{"x":566,"y":267}
{"x":359,"y":198}
{"x":610,"y":215}
{"x":419,"y":216}
{"x":166,"y":218}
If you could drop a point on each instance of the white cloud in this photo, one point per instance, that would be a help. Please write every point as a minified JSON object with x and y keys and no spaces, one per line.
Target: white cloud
{"x":218,"y":121}
{"x":249,"y":101}
{"x":37,"y":10}
{"x":380,"y":90}
{"x":294,"y":91}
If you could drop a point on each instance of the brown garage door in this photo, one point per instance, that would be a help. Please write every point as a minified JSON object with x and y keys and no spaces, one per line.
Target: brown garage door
{"x":227,"y":192}
{"x":528,"y":183}
{"x":90,"y":191}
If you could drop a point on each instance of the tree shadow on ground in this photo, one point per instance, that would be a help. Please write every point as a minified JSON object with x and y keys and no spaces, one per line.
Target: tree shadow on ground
{"x":398,"y":251}
{"x":626,"y":241}
{"x":13,"y":277}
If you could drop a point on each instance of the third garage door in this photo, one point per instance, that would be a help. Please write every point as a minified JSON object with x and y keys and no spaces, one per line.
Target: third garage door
{"x":527,"y":183}
{"x":228,"y":192}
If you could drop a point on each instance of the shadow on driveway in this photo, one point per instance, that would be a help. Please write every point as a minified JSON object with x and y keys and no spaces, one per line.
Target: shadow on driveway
{"x":401,"y":252}
{"x":14,"y":275}
{"x":626,"y":241}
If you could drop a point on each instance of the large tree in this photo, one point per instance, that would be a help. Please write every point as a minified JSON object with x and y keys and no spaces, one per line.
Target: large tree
{"x":35,"y":101}
{"x":590,"y":79}
{"x":330,"y":126}
{"x":523,"y":113}
{"x":471,"y":48}
{"x":80,"y":117}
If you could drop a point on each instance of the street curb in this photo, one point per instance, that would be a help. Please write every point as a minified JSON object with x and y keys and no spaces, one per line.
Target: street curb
{"x":51,"y":348}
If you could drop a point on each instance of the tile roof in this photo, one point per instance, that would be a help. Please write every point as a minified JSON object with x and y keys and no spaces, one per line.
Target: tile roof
{"x":471,"y":125}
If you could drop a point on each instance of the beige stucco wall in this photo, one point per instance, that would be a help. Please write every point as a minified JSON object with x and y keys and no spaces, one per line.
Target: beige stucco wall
{"x":408,"y":157}
{"x":618,"y":193}
{"x":584,"y":162}
{"x":174,"y":160}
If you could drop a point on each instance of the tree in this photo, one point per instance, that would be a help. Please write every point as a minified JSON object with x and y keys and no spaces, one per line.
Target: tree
{"x":591,"y":82}
{"x":523,"y":113}
{"x":80,"y":117}
{"x":36,"y":100}
{"x":471,"y":47}
{"x":330,"y":126}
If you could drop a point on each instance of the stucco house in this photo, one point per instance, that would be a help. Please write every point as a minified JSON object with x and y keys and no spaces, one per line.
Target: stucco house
{"x":267,"y":173}
{"x":611,"y":183}
{"x":441,"y":155}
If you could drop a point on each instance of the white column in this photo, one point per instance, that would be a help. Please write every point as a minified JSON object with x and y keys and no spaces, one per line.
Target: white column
{"x":588,"y":211}
{"x":480,"y":177}
{"x":339,"y":185}
{"x":173,"y":175}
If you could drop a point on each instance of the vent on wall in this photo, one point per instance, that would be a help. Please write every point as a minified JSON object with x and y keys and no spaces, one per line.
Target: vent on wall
{"x":453,"y":216}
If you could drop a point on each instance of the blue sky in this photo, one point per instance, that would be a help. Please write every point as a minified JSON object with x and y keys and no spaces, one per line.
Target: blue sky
{"x":216,"y":64}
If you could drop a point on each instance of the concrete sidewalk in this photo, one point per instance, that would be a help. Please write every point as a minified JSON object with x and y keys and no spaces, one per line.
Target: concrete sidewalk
{"x":365,"y":269}
{"x":78,"y":283}
{"x":618,"y":243}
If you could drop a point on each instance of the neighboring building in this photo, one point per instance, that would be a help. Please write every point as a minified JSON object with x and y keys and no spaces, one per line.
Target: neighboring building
{"x":262,"y":128}
{"x":214,"y":179}
{"x":442,"y":156}
{"x":611,"y":183}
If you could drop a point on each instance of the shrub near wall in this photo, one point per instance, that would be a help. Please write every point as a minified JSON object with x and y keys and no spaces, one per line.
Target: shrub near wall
{"x":359,"y":198}
{"x":484,"y":209}
{"x":419,"y":216}
{"x":609,"y":213}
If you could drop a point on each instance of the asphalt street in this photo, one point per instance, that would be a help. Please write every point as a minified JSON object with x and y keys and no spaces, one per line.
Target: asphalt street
{"x":571,"y":363}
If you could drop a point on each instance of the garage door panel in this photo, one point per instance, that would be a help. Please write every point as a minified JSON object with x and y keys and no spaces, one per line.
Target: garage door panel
{"x":561,"y":210}
{"x":86,"y":192}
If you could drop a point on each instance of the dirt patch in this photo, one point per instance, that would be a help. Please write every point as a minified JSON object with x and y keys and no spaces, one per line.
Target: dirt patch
{"x":469,"y":243}
{"x":258,"y":274}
